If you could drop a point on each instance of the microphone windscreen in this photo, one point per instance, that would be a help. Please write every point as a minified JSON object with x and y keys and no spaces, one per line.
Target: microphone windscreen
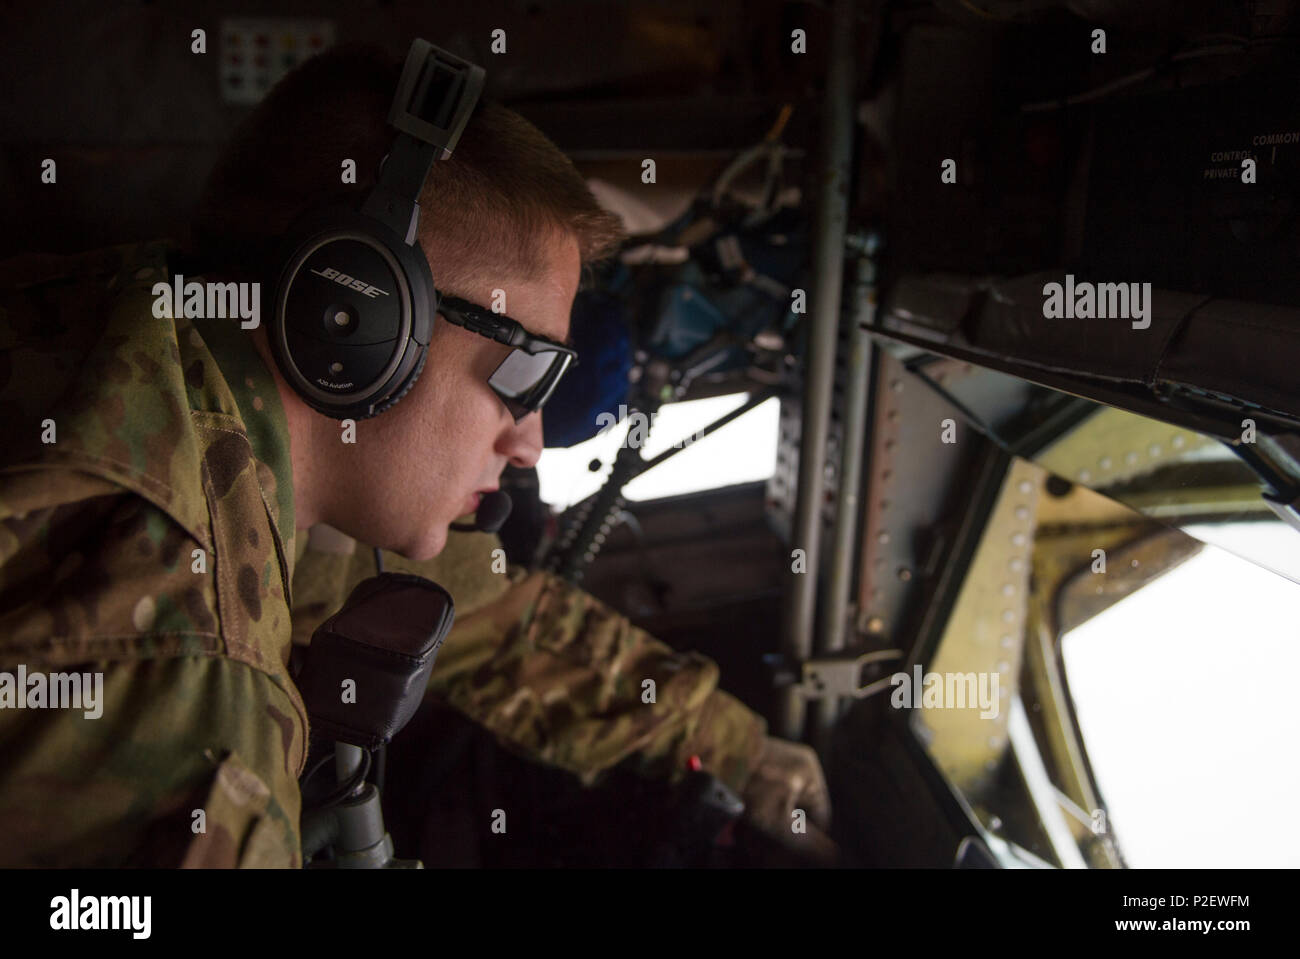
{"x":492,"y":511}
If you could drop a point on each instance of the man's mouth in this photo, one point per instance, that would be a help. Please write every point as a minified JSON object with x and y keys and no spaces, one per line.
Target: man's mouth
{"x":476,"y":498}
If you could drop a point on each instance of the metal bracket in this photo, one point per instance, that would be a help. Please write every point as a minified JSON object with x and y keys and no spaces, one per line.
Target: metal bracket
{"x":831,"y":677}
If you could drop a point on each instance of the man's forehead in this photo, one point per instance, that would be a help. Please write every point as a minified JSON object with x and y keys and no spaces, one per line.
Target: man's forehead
{"x":545,"y":307}
{"x":560,"y":280}
{"x":543,"y":304}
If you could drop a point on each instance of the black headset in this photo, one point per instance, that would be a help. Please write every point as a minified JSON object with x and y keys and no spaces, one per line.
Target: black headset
{"x":355,"y":300}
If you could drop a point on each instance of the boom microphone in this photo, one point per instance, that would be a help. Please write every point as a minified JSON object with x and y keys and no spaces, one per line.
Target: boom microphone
{"x":493,"y":508}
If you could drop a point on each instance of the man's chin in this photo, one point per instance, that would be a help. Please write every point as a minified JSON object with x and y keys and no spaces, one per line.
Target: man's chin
{"x":427,"y":547}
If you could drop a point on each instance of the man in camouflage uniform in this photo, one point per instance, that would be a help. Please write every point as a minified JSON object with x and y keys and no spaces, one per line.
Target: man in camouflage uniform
{"x":134,"y":543}
{"x":156,"y":485}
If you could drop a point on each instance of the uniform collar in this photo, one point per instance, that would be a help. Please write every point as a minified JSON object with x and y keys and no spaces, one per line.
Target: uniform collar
{"x":252,"y":386}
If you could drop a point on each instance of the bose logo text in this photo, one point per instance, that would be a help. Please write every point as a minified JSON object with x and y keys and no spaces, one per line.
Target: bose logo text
{"x":349,"y":281}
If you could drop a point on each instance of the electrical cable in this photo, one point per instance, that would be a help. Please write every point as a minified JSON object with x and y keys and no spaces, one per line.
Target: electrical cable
{"x":316,"y":767}
{"x":348,"y":787}
{"x":344,"y":789}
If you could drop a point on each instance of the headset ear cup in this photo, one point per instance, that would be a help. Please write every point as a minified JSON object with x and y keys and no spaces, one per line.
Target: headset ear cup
{"x":378,"y":289}
{"x":406,"y":388}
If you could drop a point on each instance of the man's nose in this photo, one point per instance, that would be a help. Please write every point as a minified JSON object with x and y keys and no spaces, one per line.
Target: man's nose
{"x":522,"y":442}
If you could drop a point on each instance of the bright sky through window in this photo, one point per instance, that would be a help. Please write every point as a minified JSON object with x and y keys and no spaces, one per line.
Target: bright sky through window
{"x":743,"y":450}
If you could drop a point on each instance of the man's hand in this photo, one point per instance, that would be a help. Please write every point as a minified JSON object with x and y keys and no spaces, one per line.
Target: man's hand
{"x":789,"y":778}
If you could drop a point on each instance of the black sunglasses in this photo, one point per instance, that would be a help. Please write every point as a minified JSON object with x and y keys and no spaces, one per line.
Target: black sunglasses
{"x":527,"y":377}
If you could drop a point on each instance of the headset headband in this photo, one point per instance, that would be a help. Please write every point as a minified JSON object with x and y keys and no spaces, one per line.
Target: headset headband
{"x":435,"y":97}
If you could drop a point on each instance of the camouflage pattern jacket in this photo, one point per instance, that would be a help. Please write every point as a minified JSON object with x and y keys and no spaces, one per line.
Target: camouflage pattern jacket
{"x":147,"y":540}
{"x":553,"y":672}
